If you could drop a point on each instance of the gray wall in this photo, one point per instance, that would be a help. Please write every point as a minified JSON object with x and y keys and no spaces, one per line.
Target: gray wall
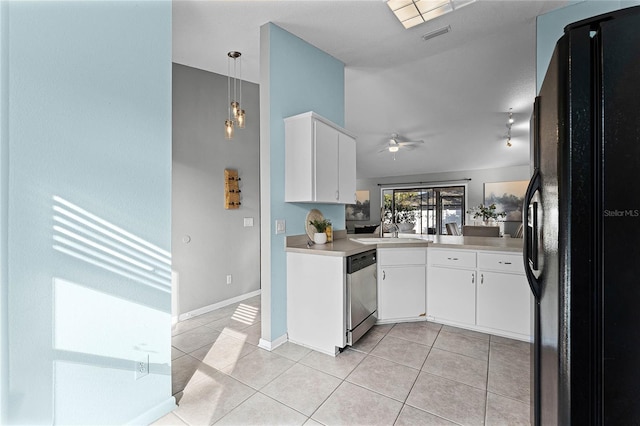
{"x":220,"y":244}
{"x":475,"y":187}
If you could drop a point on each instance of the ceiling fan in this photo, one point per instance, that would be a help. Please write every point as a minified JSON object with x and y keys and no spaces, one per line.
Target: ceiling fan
{"x":395,"y":143}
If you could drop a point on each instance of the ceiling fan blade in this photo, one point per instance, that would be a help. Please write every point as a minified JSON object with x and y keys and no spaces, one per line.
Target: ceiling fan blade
{"x":410,"y":143}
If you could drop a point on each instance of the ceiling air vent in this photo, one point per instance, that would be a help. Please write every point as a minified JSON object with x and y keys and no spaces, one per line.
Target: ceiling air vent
{"x":436,"y":33}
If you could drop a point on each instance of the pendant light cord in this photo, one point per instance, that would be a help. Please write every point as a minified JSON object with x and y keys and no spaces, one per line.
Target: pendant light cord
{"x":228,"y":89}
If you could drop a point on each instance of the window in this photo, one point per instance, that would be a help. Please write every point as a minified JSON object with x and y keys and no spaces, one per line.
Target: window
{"x":428,"y":209}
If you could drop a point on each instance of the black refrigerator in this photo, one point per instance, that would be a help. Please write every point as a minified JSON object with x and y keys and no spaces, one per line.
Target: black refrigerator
{"x":582,"y":227}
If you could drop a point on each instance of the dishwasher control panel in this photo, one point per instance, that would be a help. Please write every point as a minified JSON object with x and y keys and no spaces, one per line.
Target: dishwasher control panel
{"x":360,"y":261}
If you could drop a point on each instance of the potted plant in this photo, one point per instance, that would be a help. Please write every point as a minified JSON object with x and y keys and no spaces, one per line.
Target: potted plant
{"x":321,"y":225}
{"x":487,"y":213}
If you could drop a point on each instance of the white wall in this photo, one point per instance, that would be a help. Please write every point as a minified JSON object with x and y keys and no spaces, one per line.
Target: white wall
{"x":219,"y":244}
{"x":88,"y":137}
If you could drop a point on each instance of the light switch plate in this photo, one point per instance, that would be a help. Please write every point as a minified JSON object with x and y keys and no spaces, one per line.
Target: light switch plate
{"x":248,"y":221}
{"x":281,"y":226}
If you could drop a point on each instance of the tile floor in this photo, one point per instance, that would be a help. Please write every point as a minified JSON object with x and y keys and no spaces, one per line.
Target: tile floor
{"x":404,"y":374}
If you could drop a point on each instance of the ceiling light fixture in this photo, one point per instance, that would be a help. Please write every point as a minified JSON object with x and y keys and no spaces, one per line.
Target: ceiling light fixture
{"x":414,"y":12}
{"x":234,"y":106}
{"x":510,"y":121}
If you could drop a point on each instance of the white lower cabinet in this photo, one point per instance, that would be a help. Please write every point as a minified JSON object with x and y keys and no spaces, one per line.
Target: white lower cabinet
{"x":451,"y":295}
{"x":316,"y":316}
{"x":401,"y":284}
{"x":479,"y":290}
{"x":504,"y":302}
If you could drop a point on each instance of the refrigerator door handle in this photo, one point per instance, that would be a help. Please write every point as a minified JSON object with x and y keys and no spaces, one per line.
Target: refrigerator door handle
{"x":530,"y":235}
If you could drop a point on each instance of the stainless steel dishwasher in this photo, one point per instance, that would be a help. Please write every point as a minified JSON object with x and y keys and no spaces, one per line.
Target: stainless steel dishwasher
{"x":362,"y":295}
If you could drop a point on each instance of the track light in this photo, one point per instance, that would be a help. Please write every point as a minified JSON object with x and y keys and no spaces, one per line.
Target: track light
{"x":510,"y":122}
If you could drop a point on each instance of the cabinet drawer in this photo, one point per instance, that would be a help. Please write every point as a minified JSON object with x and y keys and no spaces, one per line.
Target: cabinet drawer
{"x":454,"y":258}
{"x":395,"y":256}
{"x":501,"y":262}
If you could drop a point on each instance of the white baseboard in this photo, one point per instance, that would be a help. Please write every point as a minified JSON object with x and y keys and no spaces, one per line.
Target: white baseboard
{"x":397,"y":320}
{"x":160,"y":410}
{"x":333,"y":353}
{"x":271,"y":345}
{"x":218,"y":305}
{"x":486,"y":330}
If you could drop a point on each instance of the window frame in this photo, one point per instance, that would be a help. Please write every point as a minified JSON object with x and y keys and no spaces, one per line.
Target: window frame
{"x":426,"y":187}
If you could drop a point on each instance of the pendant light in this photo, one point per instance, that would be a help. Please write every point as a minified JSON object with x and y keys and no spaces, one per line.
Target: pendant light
{"x":235,"y":113}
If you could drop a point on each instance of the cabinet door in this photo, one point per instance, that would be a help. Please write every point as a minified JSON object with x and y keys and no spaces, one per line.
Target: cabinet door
{"x":504,"y":302}
{"x":326,"y":163}
{"x":451,"y":294}
{"x":401,"y":292}
{"x":346,"y":169}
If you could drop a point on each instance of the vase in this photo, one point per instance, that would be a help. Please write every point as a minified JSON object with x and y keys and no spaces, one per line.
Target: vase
{"x":319,"y":237}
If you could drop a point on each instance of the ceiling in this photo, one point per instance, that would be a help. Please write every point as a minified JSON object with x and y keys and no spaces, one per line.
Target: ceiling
{"x":453,"y":91}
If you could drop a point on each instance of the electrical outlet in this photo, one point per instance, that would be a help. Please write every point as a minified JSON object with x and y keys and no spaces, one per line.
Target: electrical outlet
{"x":229,"y":279}
{"x":281,"y":226}
{"x":142,"y":367}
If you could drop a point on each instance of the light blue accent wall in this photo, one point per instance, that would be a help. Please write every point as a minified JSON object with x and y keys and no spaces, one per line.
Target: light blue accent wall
{"x":303,"y":78}
{"x":89,"y":202}
{"x":4,"y":210}
{"x":550,"y":27}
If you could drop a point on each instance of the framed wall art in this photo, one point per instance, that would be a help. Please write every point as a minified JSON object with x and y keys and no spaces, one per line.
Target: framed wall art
{"x":361,"y":209}
{"x":507,"y":196}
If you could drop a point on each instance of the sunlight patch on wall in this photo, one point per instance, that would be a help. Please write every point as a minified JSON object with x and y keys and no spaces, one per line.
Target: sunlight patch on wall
{"x":87,"y":237}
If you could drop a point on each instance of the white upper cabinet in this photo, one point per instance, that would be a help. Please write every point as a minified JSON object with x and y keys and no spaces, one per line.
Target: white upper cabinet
{"x":320,"y":161}
{"x":346,"y":168}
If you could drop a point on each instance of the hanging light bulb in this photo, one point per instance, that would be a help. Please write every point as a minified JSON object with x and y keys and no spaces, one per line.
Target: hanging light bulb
{"x":393,"y":148}
{"x":228,"y":129}
{"x":235,"y":105}
{"x":241,"y":116}
{"x":240,"y":119}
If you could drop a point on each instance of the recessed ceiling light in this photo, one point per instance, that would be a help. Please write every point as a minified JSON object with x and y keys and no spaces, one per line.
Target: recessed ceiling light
{"x":414,"y":12}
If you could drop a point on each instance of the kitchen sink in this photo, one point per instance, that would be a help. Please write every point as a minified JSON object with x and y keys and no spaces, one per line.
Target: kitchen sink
{"x":388,"y":240}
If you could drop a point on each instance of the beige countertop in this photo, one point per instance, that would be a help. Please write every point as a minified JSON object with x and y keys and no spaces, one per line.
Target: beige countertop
{"x":344,"y":245}
{"x":477,"y":243}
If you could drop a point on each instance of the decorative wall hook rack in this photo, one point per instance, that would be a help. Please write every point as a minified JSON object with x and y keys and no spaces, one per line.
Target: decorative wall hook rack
{"x":231,"y":190}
